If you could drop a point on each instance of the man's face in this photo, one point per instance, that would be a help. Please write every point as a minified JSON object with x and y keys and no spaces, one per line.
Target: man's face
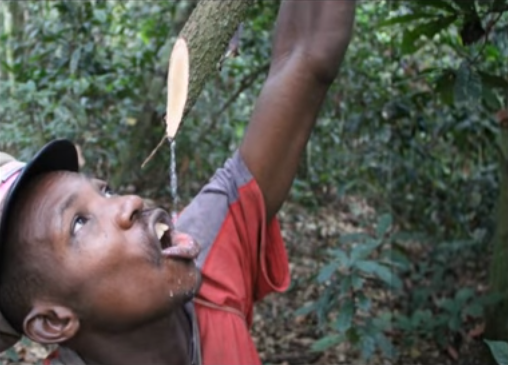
{"x":106,"y":250}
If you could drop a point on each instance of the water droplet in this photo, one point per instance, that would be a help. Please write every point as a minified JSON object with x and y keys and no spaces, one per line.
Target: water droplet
{"x":171,"y":293}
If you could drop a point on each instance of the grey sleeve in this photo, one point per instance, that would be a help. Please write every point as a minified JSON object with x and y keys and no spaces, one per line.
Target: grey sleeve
{"x":204,"y":216}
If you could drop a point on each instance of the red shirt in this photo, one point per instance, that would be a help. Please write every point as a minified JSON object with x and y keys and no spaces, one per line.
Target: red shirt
{"x":242,"y":260}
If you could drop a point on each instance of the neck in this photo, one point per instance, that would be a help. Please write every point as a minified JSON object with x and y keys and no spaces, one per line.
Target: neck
{"x":166,"y":341}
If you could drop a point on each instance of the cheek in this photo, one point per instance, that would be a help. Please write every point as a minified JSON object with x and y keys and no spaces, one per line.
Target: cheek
{"x":125,"y":293}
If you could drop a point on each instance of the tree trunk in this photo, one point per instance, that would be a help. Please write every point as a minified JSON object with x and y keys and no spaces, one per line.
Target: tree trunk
{"x":497,"y":315}
{"x":208,"y":31}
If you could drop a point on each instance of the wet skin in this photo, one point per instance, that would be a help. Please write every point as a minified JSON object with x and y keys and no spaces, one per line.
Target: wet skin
{"x":106,"y":255}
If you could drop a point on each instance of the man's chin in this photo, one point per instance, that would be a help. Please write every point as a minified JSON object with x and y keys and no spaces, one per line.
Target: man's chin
{"x":188,"y":285}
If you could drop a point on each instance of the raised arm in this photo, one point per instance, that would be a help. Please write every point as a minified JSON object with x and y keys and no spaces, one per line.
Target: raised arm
{"x":311,"y":38}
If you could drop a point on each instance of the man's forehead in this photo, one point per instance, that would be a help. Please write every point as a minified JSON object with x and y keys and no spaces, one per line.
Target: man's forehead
{"x":53,"y":187}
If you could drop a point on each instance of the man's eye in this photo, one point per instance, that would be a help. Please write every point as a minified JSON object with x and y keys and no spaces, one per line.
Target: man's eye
{"x":79,"y":222}
{"x":108,"y":192}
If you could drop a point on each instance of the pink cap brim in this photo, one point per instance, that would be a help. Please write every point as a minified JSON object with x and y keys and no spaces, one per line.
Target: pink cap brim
{"x":8,"y":175}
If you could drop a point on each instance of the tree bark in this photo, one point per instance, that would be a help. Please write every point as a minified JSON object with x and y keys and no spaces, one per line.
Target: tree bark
{"x":497,"y":315}
{"x":208,"y":31}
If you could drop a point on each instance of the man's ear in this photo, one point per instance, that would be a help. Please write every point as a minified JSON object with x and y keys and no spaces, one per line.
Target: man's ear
{"x":50,"y":324}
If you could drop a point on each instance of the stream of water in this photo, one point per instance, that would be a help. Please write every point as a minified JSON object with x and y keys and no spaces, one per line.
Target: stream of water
{"x":173,"y":182}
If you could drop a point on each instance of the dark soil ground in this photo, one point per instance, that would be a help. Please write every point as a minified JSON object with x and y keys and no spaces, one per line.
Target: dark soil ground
{"x":285,"y":339}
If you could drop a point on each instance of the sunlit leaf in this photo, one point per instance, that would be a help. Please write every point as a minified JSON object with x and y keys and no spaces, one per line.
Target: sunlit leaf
{"x":402,"y":19}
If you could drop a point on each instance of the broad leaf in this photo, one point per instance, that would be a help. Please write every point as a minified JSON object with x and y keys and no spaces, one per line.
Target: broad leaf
{"x":364,"y":303}
{"x":429,"y":29}
{"x":327,"y":271}
{"x":407,"y":18}
{"x":363,"y":250}
{"x":326,"y":342}
{"x":340,"y":256}
{"x":493,"y":80}
{"x":368,"y":346}
{"x":306,"y":309}
{"x":499,"y":351}
{"x":464,"y":294}
{"x":353,"y":237}
{"x":381,"y":271}
{"x":468,"y":85}
{"x":383,"y":224}
{"x":444,"y":86}
{"x":346,"y":313}
{"x":73,"y":64}
{"x":356,"y":281}
{"x":440,"y":4}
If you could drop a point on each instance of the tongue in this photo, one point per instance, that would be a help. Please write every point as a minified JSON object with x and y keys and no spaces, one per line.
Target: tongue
{"x":183,"y":247}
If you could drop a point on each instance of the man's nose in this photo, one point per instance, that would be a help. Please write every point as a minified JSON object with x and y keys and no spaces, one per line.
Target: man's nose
{"x":129,"y":208}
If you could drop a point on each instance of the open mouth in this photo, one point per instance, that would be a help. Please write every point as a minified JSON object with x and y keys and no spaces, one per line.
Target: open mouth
{"x":173,"y":244}
{"x":163,"y":233}
{"x":162,"y":227}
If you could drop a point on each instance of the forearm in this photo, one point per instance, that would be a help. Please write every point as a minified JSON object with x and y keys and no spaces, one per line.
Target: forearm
{"x":311,"y":38}
{"x":316,"y":31}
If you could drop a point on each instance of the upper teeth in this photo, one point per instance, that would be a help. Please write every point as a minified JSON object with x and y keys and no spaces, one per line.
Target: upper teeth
{"x":160,"y":228}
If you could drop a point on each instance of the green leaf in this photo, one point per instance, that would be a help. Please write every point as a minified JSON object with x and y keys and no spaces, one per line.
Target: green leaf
{"x":491,"y":99}
{"x":353,"y":237}
{"x":340,"y":256}
{"x":440,"y":4}
{"x":327,"y":271}
{"x":385,"y":345}
{"x":397,"y":258}
{"x":407,"y":18}
{"x":357,"y":281}
{"x":364,"y":303}
{"x":444,"y":86}
{"x":499,"y":351}
{"x":429,"y":29}
{"x":384,"y":222}
{"x":490,"y":299}
{"x":498,"y":5}
{"x":464,"y":294}
{"x":474,"y":310}
{"x":306,"y":309}
{"x":327,"y":342}
{"x":467,"y":6}
{"x":345,"y":285}
{"x":449,"y":305}
{"x":368,"y":346}
{"x":363,"y":250}
{"x":468,"y":85}
{"x":454,"y":323}
{"x":493,"y":81}
{"x":381,"y":271}
{"x":346,"y":313}
{"x":73,"y":64}
{"x":409,"y":45}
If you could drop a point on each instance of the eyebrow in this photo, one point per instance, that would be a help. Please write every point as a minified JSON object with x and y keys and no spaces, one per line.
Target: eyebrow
{"x":66,"y":205}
